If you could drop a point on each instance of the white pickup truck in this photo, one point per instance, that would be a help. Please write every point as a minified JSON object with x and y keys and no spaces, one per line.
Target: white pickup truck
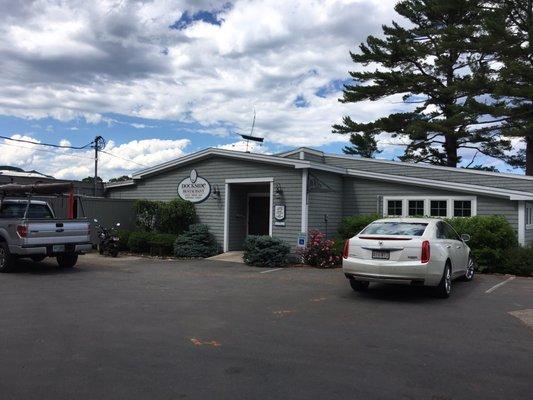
{"x":28,"y":228}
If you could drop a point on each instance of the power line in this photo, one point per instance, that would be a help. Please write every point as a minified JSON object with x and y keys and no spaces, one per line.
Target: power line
{"x":59,"y":146}
{"x":122,"y":158}
{"x":45,"y":151}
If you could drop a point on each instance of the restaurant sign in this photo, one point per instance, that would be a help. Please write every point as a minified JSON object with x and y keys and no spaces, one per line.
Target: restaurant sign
{"x":194,"y":188}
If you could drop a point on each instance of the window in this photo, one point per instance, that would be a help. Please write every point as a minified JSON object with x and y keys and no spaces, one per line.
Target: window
{"x":449,"y":232}
{"x":17,"y":210}
{"x":529,"y":215}
{"x":438,"y":208}
{"x":462,"y":208}
{"x":394,"y":208}
{"x":395,"y":228}
{"x":416,"y":208}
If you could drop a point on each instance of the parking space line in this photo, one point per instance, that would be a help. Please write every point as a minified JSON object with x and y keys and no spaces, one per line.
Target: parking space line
{"x":492,"y":289}
{"x":270,"y":270}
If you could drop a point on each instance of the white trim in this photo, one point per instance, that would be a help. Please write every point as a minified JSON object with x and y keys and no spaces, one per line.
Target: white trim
{"x":118,"y":184}
{"x":248,"y":196}
{"x":427,"y":204}
{"x":428,"y":166}
{"x":442,"y":185}
{"x":529,"y":216}
{"x":300,"y":149}
{"x":226,"y":218}
{"x":305,"y":205}
{"x":249,"y":180}
{"x":522,"y":222}
{"x":227,"y":184}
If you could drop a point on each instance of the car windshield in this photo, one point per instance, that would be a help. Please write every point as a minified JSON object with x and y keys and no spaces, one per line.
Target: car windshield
{"x":395,"y":228}
{"x":16,"y":210}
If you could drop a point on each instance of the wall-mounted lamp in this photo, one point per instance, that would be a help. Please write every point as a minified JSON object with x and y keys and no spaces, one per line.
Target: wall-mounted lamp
{"x":215,"y":193}
{"x":278,"y":191}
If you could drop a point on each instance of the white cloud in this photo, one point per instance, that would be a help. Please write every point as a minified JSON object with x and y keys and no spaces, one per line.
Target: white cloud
{"x":81,"y":59}
{"x":120,"y":159}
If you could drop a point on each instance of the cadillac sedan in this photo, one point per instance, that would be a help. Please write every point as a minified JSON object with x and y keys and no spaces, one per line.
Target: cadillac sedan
{"x":416,"y":251}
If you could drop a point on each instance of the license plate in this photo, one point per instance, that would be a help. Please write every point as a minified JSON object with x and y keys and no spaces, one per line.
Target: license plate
{"x":58,"y":248}
{"x":381,"y":254}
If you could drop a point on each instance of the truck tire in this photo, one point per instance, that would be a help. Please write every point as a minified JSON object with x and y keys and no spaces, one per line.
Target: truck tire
{"x":67,"y":260}
{"x":38,"y":258}
{"x":6,"y":259}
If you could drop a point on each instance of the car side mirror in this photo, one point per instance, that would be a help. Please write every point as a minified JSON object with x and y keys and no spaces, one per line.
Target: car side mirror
{"x":465,"y":237}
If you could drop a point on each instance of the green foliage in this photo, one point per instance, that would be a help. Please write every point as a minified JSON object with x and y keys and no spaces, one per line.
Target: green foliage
{"x":162,"y":244}
{"x":122,"y":178}
{"x":265,"y":251}
{"x":518,"y":261}
{"x":351,"y":226}
{"x":196,"y":242}
{"x":139,"y":241}
{"x":320,"y":251}
{"x":437,"y":62}
{"x":491,"y":237}
{"x":123,"y":236}
{"x":164,"y":217}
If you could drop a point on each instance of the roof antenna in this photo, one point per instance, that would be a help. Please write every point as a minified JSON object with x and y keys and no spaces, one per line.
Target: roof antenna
{"x":251,"y":135}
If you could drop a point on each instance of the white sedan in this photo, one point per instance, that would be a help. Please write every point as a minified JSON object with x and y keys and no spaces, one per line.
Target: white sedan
{"x":417,"y":251}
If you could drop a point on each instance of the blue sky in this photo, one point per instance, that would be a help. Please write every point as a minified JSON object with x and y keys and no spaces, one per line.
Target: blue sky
{"x":161,"y":79}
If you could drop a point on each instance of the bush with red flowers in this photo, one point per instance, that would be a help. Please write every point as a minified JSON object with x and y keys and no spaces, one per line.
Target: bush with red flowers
{"x":320,"y":252}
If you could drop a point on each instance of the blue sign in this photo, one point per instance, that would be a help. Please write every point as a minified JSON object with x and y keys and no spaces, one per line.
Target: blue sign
{"x":302,"y":240}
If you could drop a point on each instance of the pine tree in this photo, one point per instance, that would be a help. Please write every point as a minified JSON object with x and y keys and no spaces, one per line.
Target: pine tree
{"x":509,"y":26}
{"x":437,"y":65}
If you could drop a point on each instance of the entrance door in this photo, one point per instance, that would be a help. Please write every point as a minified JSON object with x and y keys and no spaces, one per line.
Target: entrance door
{"x":258,"y":215}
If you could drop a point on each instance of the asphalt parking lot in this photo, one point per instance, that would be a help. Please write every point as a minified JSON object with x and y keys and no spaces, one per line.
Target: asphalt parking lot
{"x":133,"y":328}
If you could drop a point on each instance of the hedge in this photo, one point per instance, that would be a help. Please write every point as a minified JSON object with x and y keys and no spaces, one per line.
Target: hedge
{"x":139,"y":241}
{"x":265,"y":251}
{"x":351,"y":226}
{"x":197,"y":242}
{"x":172,"y":217}
{"x":162,"y":244}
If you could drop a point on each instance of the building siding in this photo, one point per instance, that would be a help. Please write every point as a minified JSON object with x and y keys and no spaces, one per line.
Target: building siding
{"x":365,"y":196}
{"x":216,"y":170}
{"x":502,"y":182}
{"x":325,"y":201}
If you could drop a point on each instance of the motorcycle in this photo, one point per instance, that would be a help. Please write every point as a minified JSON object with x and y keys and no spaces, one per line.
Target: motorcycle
{"x":108,"y":240}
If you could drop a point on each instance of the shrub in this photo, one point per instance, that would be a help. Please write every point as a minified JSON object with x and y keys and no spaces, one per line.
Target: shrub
{"x":490,"y":239}
{"x":123,"y":236}
{"x":165,"y":217}
{"x":162,"y":244}
{"x":196,"y":242}
{"x":320,"y":251}
{"x":139,"y":242}
{"x":517,"y":261}
{"x":265,"y":251}
{"x":351,"y":226}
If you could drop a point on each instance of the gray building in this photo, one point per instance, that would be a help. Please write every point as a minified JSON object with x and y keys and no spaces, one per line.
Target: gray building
{"x":287,"y":194}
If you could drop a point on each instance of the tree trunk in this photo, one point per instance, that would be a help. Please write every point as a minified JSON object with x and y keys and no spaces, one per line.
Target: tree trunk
{"x":450,"y":147}
{"x":529,"y":155}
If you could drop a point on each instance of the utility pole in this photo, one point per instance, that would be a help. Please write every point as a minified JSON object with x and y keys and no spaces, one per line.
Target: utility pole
{"x":99,"y":144}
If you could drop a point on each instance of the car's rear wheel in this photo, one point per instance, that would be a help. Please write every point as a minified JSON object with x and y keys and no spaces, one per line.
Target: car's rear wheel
{"x":6,"y":259}
{"x":359,"y":286}
{"x":67,"y":260}
{"x":445,"y":286}
{"x":470,"y":270}
{"x":37,"y":258}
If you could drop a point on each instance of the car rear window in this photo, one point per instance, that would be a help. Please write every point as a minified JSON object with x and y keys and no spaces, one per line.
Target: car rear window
{"x":395,"y":228}
{"x":16,"y":210}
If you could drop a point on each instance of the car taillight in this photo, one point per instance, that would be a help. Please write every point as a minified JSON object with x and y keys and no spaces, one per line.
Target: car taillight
{"x":424,"y":257}
{"x":22,"y":230}
{"x":346,"y":249}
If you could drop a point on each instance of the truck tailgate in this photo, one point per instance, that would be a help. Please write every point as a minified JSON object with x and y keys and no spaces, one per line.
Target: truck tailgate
{"x":48,"y":232}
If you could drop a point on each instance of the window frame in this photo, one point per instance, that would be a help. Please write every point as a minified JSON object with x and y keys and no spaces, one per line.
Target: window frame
{"x":427,"y":204}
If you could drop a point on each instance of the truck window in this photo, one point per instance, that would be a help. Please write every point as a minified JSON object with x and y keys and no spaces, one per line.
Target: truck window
{"x":16,"y":210}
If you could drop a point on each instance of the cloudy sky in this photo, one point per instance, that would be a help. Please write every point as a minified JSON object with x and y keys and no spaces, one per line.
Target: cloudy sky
{"x":159,"y":79}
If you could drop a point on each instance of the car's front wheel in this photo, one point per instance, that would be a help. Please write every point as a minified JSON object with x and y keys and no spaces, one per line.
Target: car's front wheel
{"x":359,"y":286}
{"x":445,"y":286}
{"x":470,"y":270}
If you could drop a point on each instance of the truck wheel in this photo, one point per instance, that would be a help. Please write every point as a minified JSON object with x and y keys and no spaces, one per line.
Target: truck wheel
{"x":67,"y":260}
{"x":6,"y":259}
{"x":37,"y":258}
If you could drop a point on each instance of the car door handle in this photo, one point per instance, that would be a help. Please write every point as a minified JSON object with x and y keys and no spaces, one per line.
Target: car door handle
{"x":448,"y":246}
{"x":459,"y":247}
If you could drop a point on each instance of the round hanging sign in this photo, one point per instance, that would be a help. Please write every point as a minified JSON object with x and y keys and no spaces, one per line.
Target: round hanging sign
{"x":194,"y":188}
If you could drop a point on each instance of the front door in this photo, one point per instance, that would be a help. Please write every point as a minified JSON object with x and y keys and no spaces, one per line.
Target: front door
{"x":258,"y":215}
